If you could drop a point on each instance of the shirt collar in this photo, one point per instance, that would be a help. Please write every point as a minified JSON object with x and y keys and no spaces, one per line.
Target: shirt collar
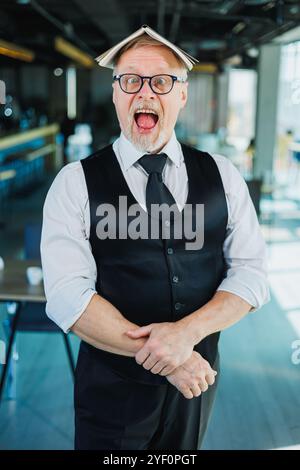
{"x":130,"y":155}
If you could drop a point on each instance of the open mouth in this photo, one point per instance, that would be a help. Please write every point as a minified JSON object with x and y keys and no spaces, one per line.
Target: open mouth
{"x":146,"y":119}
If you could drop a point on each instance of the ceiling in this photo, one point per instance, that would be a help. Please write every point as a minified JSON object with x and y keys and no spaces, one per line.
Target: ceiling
{"x":211,"y":30}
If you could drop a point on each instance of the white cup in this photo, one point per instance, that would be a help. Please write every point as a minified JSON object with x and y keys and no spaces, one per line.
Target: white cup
{"x":1,"y":263}
{"x":34,"y":275}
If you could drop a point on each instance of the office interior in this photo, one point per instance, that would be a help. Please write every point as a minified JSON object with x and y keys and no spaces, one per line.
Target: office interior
{"x":244,"y":103}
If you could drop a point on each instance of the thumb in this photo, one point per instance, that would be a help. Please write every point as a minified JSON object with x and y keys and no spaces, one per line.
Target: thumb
{"x":139,"y":332}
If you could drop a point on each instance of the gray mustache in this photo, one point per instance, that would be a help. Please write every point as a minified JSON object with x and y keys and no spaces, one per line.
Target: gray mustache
{"x":147,"y":107}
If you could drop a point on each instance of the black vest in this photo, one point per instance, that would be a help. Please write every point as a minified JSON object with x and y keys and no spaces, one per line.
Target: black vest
{"x":152,"y":281}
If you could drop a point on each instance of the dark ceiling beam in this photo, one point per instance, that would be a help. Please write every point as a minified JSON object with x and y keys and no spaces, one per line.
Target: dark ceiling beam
{"x":66,"y":28}
{"x":260,"y":38}
{"x":7,"y":23}
{"x":161,"y":11}
{"x":229,"y":6}
{"x":270,"y":35}
{"x":208,"y":14}
{"x":176,"y":21}
{"x":109,"y":17}
{"x":280,"y":12}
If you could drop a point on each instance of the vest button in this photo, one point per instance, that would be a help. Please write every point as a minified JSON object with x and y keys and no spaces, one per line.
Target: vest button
{"x":170,"y":251}
{"x":177,"y":306}
{"x":175,"y":279}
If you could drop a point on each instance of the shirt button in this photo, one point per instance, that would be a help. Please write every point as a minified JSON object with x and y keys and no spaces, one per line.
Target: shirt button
{"x":175,"y":279}
{"x":177,"y":306}
{"x":170,"y":251}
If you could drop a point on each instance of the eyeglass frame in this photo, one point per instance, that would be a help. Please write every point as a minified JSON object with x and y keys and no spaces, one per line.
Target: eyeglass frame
{"x":174,"y":79}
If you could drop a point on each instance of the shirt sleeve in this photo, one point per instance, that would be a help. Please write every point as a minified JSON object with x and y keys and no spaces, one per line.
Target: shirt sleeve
{"x":69,"y":267}
{"x":244,"y":247}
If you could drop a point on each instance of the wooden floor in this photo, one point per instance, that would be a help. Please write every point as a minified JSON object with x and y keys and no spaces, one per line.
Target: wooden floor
{"x":258,"y":401}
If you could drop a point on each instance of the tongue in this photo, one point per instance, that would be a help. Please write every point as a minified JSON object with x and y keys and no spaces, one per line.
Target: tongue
{"x":145,"y":120}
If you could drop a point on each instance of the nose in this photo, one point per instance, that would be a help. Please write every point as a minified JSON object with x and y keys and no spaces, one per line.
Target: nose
{"x":145,"y":91}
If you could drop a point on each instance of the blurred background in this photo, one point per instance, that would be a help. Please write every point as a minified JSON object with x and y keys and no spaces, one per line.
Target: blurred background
{"x":55,"y":108}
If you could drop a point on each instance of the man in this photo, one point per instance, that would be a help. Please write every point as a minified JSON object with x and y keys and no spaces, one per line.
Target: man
{"x":148,"y":309}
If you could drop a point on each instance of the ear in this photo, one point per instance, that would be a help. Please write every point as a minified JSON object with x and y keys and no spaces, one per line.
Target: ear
{"x":184,"y":94}
{"x":114,"y":92}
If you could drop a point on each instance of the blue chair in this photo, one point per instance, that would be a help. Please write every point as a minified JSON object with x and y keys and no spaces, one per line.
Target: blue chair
{"x":33,"y":317}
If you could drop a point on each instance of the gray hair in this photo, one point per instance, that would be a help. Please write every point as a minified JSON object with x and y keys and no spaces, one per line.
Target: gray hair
{"x":146,"y":40}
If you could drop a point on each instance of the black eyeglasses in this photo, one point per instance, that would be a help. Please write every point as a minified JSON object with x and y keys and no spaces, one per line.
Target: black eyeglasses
{"x":159,"y":84}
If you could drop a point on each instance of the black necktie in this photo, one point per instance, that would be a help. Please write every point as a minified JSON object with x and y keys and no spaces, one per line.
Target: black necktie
{"x":156,"y":191}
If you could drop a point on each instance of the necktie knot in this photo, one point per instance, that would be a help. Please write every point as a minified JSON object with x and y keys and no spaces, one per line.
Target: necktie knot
{"x":153,"y":163}
{"x":157,"y":192}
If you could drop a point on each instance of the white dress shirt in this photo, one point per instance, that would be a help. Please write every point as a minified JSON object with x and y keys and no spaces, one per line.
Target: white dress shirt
{"x":68,"y":264}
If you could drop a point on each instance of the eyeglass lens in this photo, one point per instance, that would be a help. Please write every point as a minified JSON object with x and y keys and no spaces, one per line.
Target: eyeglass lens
{"x":132,"y":83}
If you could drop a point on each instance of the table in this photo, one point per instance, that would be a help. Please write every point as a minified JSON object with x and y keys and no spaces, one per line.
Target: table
{"x":14,"y":287}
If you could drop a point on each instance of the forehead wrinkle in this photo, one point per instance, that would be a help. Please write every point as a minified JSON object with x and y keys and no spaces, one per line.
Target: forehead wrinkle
{"x":160,"y":68}
{"x":136,"y":59}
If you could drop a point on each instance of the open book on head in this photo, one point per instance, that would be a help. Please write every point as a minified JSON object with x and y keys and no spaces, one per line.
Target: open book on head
{"x":106,"y":59}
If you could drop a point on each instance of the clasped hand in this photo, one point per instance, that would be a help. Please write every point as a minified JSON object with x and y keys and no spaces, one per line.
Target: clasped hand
{"x":193,"y":377}
{"x":169,"y":352}
{"x":168,"y":347}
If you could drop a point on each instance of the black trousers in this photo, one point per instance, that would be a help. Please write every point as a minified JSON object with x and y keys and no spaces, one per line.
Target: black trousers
{"x":115,"y":413}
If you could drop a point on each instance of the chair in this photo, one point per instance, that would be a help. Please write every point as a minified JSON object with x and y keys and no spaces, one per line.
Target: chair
{"x":33,"y":317}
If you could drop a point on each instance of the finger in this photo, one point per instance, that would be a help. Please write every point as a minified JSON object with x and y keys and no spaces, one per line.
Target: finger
{"x":150,"y":362}
{"x":203,"y":384}
{"x":163,"y":370}
{"x":140,"y":332}
{"x":158,"y":368}
{"x":210,"y":378}
{"x":167,"y":370}
{"x":186,"y":392}
{"x":142,"y":355}
{"x":195,"y":390}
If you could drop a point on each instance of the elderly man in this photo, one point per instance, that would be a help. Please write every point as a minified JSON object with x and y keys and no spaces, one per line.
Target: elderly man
{"x":149,"y":309}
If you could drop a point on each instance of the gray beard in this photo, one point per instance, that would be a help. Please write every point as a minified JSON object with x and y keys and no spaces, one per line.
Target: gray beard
{"x":143,"y":143}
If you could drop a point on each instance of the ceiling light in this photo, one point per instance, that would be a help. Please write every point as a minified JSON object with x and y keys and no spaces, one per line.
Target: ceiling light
{"x":205,"y":68}
{"x":253,"y":52}
{"x":16,"y":52}
{"x":58,"y":71}
{"x":238,"y":27}
{"x":212,"y":44}
{"x":73,"y":52}
{"x":234,"y":60}
{"x":8,"y":112}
